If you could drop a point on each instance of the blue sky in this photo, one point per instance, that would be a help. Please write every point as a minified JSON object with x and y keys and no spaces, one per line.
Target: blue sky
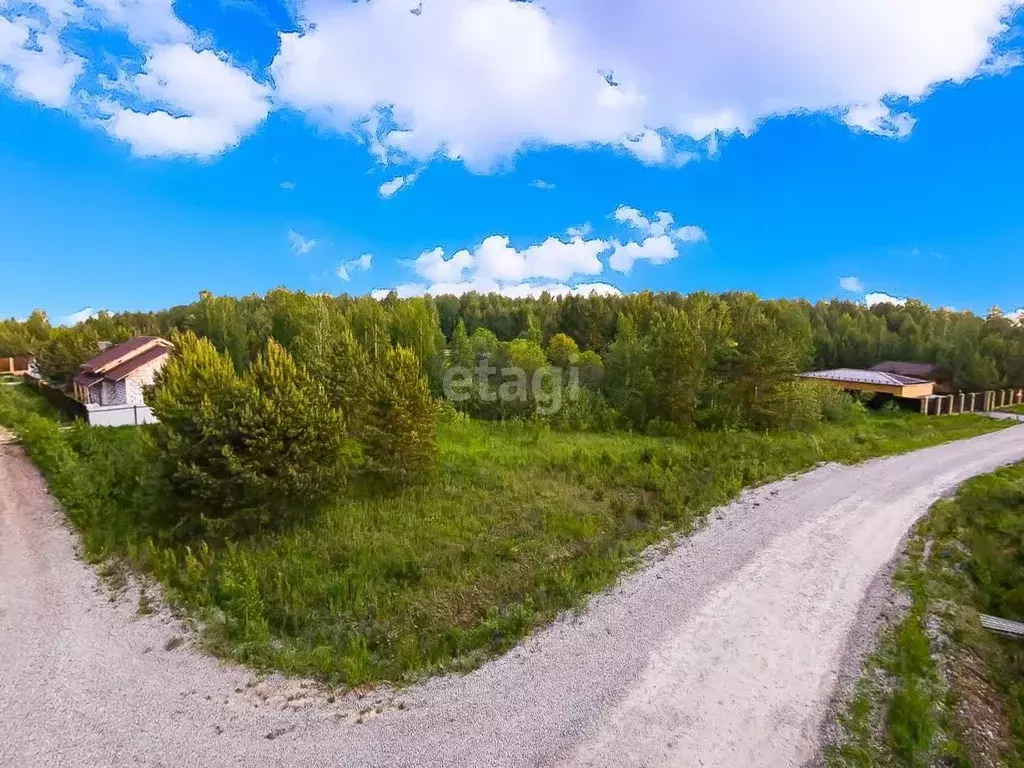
{"x":150,"y":150}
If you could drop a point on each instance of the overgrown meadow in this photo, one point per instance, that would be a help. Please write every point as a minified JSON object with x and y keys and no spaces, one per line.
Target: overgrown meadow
{"x":513,"y":524}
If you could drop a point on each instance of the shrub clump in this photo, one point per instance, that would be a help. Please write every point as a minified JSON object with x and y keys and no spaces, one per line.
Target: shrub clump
{"x":238,"y":453}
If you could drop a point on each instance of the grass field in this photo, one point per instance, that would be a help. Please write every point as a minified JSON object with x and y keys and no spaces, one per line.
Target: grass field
{"x":1016,"y":408}
{"x":941,"y":690}
{"x":516,"y":524}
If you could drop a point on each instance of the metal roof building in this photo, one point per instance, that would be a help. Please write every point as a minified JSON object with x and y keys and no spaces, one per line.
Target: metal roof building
{"x":880,"y":382}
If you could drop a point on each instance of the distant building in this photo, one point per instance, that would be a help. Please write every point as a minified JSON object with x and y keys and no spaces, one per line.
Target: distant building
{"x":18,"y":366}
{"x":939,"y":375}
{"x":119,"y":375}
{"x":878,"y":382}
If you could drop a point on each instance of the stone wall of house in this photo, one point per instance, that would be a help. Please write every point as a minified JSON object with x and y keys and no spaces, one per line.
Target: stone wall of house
{"x":111,"y":392}
{"x":141,"y":378}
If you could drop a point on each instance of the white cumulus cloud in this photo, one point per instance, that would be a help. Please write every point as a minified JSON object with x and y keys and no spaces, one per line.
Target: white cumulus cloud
{"x":362,"y":264}
{"x":480,"y":80}
{"x":656,"y":250}
{"x":300,"y":244}
{"x":389,"y":188}
{"x":80,"y":316}
{"x":206,"y":104}
{"x":851,"y":284}
{"x":878,"y":118}
{"x":883,"y":298}
{"x":180,"y":99}
{"x":34,"y":63}
{"x":516,"y":291}
{"x":559,"y":265}
{"x":659,"y":242}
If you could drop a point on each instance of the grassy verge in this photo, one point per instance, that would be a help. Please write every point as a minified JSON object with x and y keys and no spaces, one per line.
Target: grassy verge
{"x":1016,"y":408}
{"x":516,"y":524}
{"x":940,"y":690}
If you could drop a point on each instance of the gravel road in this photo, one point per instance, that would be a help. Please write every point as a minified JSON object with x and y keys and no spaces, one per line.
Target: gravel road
{"x":723,"y":653}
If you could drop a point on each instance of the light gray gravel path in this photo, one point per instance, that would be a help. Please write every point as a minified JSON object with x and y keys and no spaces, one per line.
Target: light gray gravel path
{"x":723,"y":653}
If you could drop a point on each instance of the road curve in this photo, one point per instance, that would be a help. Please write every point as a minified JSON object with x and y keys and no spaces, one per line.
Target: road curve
{"x":723,"y":653}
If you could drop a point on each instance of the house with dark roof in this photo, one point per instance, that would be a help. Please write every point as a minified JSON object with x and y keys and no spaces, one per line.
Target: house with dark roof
{"x":941,"y":376}
{"x":119,"y":375}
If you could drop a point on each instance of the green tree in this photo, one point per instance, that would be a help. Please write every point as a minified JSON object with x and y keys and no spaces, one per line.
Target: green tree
{"x":60,"y":357}
{"x":243,"y":452}
{"x":400,"y":439}
{"x":461,"y":348}
{"x":326,"y":346}
{"x":629,"y":382}
{"x":295,"y":450}
{"x":562,"y":350}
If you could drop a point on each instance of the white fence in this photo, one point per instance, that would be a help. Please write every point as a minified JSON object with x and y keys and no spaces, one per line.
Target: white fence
{"x":119,"y":415}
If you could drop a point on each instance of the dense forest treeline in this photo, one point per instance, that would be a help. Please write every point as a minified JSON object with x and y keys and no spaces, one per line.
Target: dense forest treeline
{"x":981,"y":352}
{"x":655,"y":361}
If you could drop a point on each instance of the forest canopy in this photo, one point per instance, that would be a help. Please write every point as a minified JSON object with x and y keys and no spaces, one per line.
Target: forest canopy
{"x":652,"y":361}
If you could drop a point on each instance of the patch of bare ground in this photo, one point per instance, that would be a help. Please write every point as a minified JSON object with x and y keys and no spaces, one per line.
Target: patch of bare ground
{"x":980,"y":713}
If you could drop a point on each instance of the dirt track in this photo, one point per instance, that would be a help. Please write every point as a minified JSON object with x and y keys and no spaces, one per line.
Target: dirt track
{"x":724,"y":653}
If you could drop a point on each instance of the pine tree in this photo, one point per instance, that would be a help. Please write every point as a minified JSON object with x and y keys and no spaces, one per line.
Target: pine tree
{"x":461,"y":348}
{"x":295,"y":449}
{"x":244,"y":452}
{"x":400,"y":439}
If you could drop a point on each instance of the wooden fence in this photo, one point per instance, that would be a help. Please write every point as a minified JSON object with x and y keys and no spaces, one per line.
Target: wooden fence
{"x":60,"y":400}
{"x":971,"y":402}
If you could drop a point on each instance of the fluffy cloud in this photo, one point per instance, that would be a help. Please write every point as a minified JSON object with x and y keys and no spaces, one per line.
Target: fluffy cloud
{"x":660,"y":238}
{"x":662,"y":225}
{"x":363,"y":264}
{"x":499,"y":266}
{"x":495,"y":265}
{"x":541,"y":184}
{"x":851,"y":284}
{"x":181,"y":100}
{"x":34,"y":64}
{"x":482,"y":79}
{"x":288,"y":186}
{"x":300,"y":244}
{"x":388,"y":189}
{"x":878,"y":118}
{"x":433,"y":265}
{"x":656,"y":250}
{"x":883,"y":298}
{"x":208,"y":104}
{"x":1018,"y":315}
{"x":518,"y":291}
{"x":78,"y":317}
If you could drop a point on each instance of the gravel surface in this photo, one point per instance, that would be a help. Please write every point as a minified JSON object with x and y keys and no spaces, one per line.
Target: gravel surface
{"x":725,"y":652}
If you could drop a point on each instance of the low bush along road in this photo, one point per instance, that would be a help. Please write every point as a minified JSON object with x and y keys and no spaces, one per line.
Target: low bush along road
{"x":724,"y":652}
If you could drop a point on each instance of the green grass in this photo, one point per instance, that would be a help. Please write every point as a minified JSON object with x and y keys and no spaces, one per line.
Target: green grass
{"x":1016,"y":408}
{"x":940,"y":690}
{"x":516,"y":524}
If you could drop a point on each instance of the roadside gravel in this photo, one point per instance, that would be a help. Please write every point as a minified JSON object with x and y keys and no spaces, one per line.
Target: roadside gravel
{"x":725,"y":652}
